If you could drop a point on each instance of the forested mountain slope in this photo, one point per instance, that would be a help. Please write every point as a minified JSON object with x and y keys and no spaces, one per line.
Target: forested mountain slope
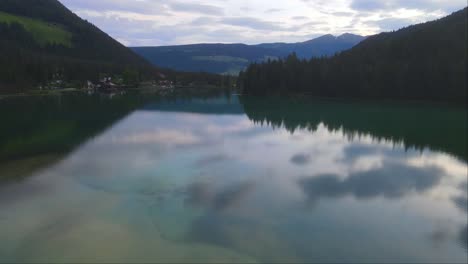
{"x":42,"y":40}
{"x":213,"y":58}
{"x":232,"y":58}
{"x":420,"y":62}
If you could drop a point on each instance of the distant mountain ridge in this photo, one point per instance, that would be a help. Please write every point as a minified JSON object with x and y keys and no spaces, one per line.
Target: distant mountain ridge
{"x":232,"y":58}
{"x":212,"y":58}
{"x":326,"y":45}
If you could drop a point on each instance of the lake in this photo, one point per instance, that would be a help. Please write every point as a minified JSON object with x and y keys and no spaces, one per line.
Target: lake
{"x":141,"y":178}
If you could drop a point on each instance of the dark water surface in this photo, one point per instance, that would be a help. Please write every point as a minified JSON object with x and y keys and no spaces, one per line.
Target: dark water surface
{"x":138,"y":179}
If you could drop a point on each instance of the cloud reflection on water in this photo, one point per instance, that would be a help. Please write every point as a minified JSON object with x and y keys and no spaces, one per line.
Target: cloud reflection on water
{"x":300,"y":159}
{"x":461,"y":202}
{"x":393,"y":180}
{"x":206,"y":195}
{"x":224,"y":182}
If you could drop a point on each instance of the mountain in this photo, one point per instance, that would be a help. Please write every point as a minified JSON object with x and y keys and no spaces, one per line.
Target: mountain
{"x":326,"y":45}
{"x":214,"y":58}
{"x":42,"y":40}
{"x":421,"y":62}
{"x":232,"y":58}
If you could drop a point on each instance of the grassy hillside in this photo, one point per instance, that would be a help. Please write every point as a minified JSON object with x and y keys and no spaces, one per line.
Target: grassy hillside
{"x":42,"y":32}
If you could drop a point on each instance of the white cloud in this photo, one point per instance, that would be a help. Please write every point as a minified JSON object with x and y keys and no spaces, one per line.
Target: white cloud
{"x":168,"y":22}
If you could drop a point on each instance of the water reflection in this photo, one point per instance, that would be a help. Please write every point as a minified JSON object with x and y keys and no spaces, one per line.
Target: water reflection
{"x":201,"y":194}
{"x":392,"y":180}
{"x":196,"y":180}
{"x":461,"y":202}
{"x":211,"y":160}
{"x":419,"y":127}
{"x":301,"y":159}
{"x":464,"y":237}
{"x":37,"y":131}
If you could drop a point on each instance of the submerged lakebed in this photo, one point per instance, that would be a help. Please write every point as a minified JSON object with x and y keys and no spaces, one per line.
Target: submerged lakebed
{"x":231,"y":179}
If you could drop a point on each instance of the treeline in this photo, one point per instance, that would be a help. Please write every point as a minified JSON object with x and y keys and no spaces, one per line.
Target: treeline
{"x":421,"y":62}
{"x":25,"y":63}
{"x":199,"y":78}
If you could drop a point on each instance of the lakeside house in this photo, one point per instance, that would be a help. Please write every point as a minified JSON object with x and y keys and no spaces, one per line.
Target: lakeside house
{"x":104,"y":85}
{"x":165,"y":85}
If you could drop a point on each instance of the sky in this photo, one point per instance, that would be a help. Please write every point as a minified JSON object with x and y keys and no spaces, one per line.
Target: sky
{"x":176,"y":22}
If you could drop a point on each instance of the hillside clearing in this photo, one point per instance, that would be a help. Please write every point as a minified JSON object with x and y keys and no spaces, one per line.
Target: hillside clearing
{"x":44,"y":33}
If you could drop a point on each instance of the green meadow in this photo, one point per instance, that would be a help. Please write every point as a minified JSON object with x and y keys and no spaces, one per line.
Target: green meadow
{"x":44,"y":33}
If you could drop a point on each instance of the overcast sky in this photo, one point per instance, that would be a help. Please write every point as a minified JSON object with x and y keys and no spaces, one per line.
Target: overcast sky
{"x":171,"y":22}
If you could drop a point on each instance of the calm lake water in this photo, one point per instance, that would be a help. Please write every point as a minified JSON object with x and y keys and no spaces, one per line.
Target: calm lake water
{"x":229,"y":179}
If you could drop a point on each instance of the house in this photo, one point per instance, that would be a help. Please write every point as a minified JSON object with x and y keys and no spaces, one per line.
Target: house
{"x":90,"y":85}
{"x":165,"y":85}
{"x":106,"y":85}
{"x":55,"y":85}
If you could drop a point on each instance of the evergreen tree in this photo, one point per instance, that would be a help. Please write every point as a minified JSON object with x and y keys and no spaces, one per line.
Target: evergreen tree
{"x":421,"y":62}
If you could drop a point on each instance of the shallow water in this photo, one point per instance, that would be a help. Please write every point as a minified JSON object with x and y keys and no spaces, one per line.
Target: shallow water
{"x":233,"y":180}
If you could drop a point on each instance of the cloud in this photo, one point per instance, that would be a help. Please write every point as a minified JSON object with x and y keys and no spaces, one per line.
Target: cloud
{"x":196,"y":8}
{"x":369,"y":5}
{"x":206,"y":195}
{"x":464,"y":237}
{"x":274,"y":10}
{"x":340,"y":14}
{"x":201,"y":21}
{"x":372,"y":5}
{"x":299,"y":17}
{"x":462,"y":203}
{"x":356,"y":151}
{"x":389,"y":24}
{"x":250,"y":22}
{"x":170,"y":137}
{"x":393,"y":180}
{"x":171,"y":22}
{"x":142,"y":7}
{"x":210,"y":160}
{"x":301,"y":159}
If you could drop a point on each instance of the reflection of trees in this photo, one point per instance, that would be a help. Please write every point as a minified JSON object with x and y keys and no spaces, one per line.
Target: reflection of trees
{"x":434,"y":127}
{"x":55,"y":124}
{"x":203,"y":104}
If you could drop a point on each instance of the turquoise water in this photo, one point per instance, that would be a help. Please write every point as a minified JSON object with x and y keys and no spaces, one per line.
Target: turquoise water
{"x":231,"y":180}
